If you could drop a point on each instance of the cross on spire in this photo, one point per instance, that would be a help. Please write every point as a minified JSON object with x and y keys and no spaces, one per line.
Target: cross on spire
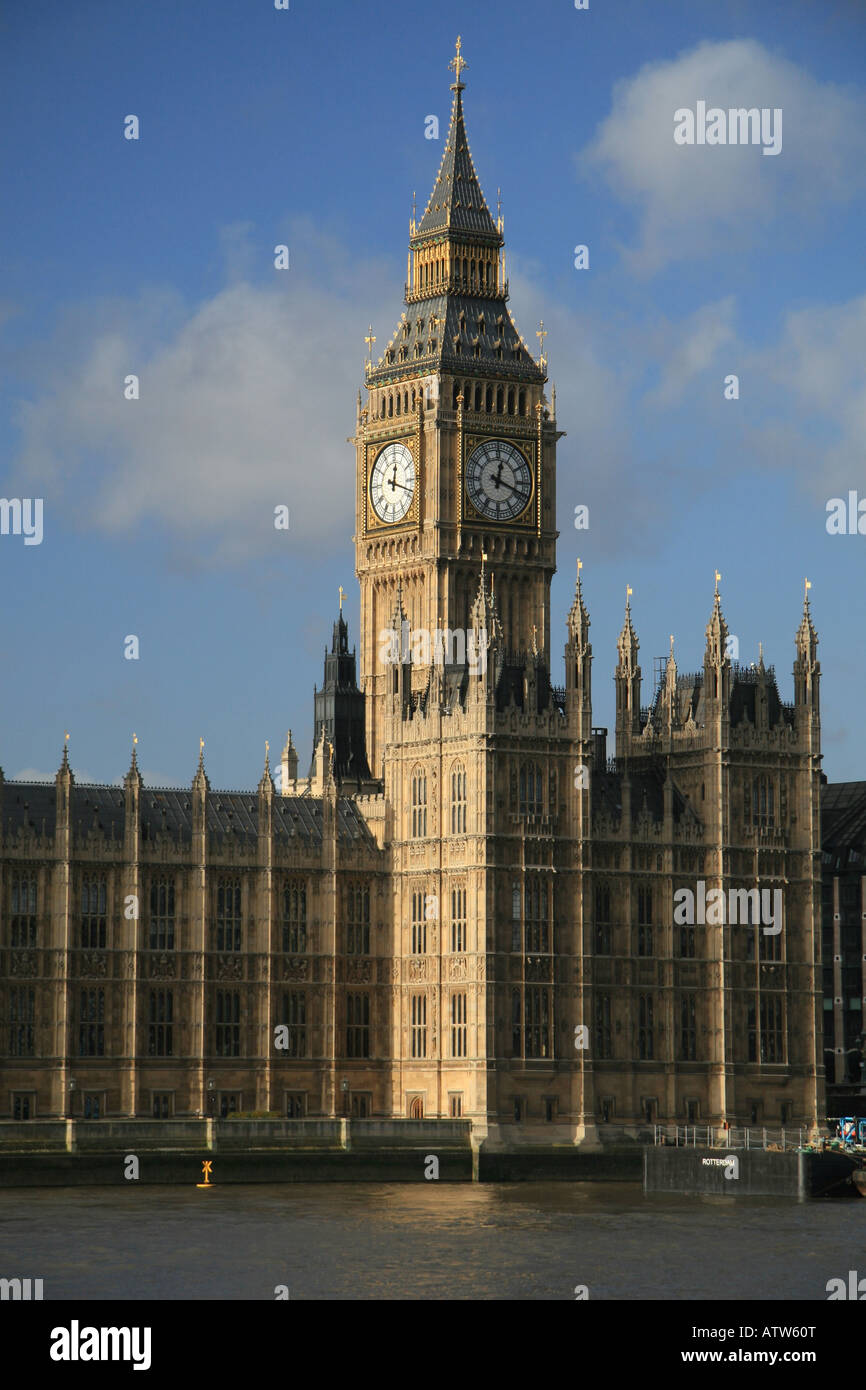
{"x":370,"y":340}
{"x":342,"y":596}
{"x":541,"y":334}
{"x":458,"y":63}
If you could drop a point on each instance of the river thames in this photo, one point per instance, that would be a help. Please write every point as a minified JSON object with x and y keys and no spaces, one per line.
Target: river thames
{"x":424,"y":1241}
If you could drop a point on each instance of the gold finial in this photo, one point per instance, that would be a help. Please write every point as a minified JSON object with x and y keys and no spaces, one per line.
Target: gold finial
{"x":342,"y":596}
{"x":628,"y":593}
{"x":541,"y":334}
{"x":808,"y":584}
{"x":135,"y":738}
{"x":458,"y":63}
{"x":370,"y":340}
{"x":760,"y":651}
{"x":66,"y":737}
{"x":201,"y":745}
{"x":718,"y":577}
{"x":672,"y":644}
{"x":579,"y":566}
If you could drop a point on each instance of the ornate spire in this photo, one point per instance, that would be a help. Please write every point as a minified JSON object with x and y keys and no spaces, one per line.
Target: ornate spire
{"x":578,"y":618}
{"x":716,"y":653}
{"x":807,"y":637}
{"x":457,"y":203}
{"x":627,"y":643}
{"x":200,"y":781}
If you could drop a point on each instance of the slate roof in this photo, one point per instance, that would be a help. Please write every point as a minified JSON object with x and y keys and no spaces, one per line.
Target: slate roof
{"x":843,"y":821}
{"x":169,"y":809}
{"x":457,"y":202}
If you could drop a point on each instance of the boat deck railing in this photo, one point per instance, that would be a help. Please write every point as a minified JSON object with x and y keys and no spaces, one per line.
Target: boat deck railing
{"x":730,"y":1137}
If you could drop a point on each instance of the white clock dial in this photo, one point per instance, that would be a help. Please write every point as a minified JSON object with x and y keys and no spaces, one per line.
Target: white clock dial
{"x":392,"y":483}
{"x":498,"y":480}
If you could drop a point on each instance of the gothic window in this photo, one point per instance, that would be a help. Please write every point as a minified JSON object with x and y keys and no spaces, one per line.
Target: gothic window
{"x":227,"y":1040}
{"x":162,"y":914}
{"x":510,"y":398}
{"x":93,"y":894}
{"x":521,"y":407}
{"x":358,"y":919}
{"x":772,"y":1028}
{"x":91,"y":1023}
{"x":602,"y":919}
{"x":536,"y":914}
{"x":752,"y":1033}
{"x":644,"y":917}
{"x":531,"y":793}
{"x":499,"y":394}
{"x":296,"y":1105}
{"x":687,"y":942}
{"x":295,"y":1020}
{"x":646,"y":1028}
{"x":419,"y":922}
{"x":458,"y":1025}
{"x":397,"y":411}
{"x":688,"y":1029}
{"x":515,"y":1024}
{"x":390,"y":404}
{"x":603,"y":1034}
{"x":357,"y":1025}
{"x":419,"y":1025}
{"x":458,"y":919}
{"x":160,"y":1023}
{"x":537,"y":1017}
{"x":22,"y":1021}
{"x":488,"y":399}
{"x":293,"y":916}
{"x":477,"y":395}
{"x":23,"y":909}
{"x":515,"y":916}
{"x":458,"y":800}
{"x":763,"y":802}
{"x":228,"y":916}
{"x":419,"y":804}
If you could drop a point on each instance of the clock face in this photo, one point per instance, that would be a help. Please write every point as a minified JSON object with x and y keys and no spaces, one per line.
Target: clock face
{"x":392,"y":484}
{"x":498,"y":480}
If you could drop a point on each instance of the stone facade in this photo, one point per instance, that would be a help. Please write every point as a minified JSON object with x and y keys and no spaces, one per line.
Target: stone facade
{"x":466,"y":909}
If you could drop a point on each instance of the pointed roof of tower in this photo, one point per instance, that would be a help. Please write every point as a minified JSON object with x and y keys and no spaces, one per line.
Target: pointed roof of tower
{"x":717,"y":632}
{"x":807,"y":637}
{"x":578,"y":618}
{"x":627,"y":643}
{"x":457,"y":203}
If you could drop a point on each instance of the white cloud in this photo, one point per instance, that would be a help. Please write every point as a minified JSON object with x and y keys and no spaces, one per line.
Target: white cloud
{"x":701,"y":200}
{"x":245,"y":404}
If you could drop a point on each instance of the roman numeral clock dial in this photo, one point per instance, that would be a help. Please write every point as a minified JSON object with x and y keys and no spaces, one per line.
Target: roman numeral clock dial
{"x":498,"y":480}
{"x":392,"y":483}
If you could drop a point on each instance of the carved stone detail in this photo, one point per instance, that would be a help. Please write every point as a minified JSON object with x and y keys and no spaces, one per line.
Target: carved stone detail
{"x":163,"y":967}
{"x":23,"y":963}
{"x":230,"y":968}
{"x":296,"y":968}
{"x":92,"y":965}
{"x":359,"y":971}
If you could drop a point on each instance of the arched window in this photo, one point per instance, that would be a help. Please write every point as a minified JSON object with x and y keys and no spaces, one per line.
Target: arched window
{"x":293,"y":907}
{"x":511,"y":400}
{"x":228,"y":915}
{"x":531,"y":791}
{"x":499,"y":400}
{"x":536,"y":914}
{"x":521,"y":403}
{"x":416,"y":1109}
{"x":488,"y":399}
{"x":419,"y":804}
{"x":458,"y":800}
{"x":477,"y":395}
{"x":93,"y":917}
{"x":23,"y":909}
{"x":162,"y":914}
{"x":390,"y":404}
{"x":397,"y":411}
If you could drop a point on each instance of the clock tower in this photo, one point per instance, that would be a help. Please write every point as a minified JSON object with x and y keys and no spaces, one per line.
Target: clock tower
{"x":455,"y":447}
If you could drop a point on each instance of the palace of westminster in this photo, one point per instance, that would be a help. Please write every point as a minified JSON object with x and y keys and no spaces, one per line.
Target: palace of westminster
{"x":467,"y":907}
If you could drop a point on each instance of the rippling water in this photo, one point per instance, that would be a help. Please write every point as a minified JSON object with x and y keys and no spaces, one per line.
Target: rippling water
{"x":424,"y":1241}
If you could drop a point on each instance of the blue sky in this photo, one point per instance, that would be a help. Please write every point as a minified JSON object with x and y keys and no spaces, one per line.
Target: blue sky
{"x":306,"y":127}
